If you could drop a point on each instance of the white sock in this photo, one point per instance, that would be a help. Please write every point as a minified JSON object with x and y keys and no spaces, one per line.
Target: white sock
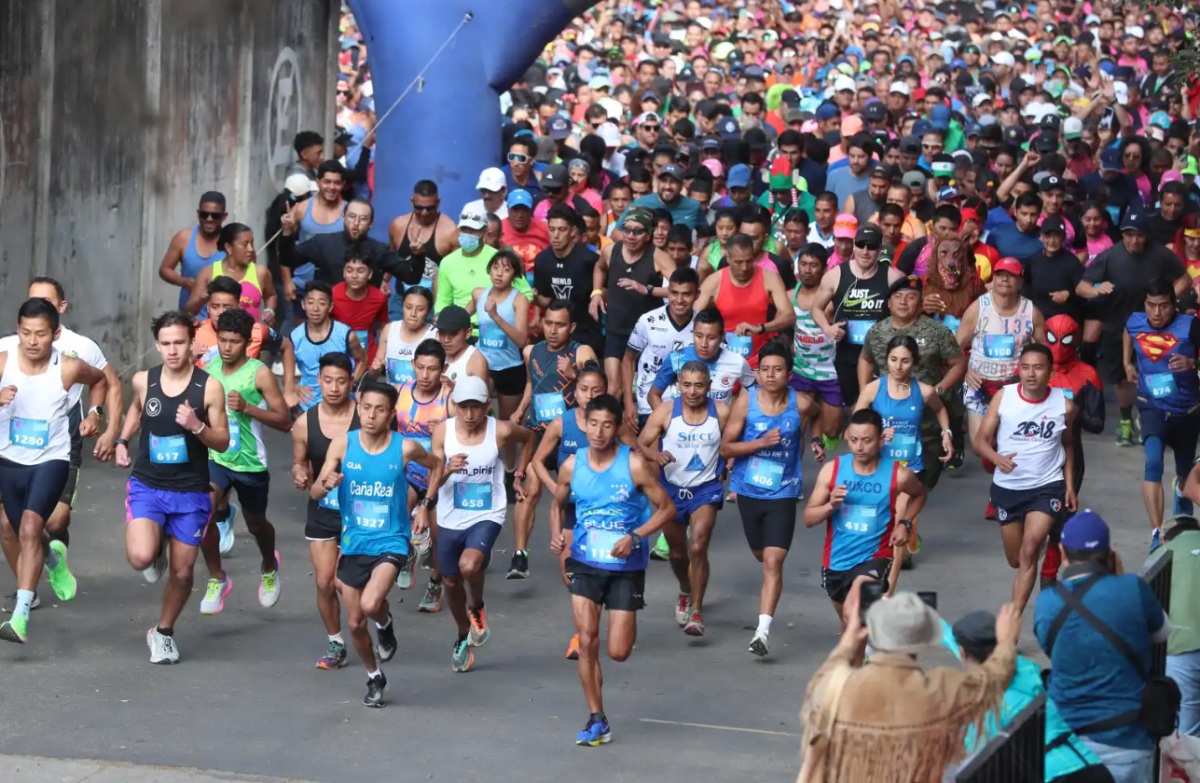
{"x":337,"y":637}
{"x":24,"y":602}
{"x":764,"y":625}
{"x":374,"y":674}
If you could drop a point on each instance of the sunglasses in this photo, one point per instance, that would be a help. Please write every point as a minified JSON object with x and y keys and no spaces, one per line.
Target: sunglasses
{"x":516,"y":157}
{"x":205,"y":215}
{"x":418,"y":208}
{"x":635,"y":231}
{"x":596,"y":125}
{"x":867,"y":245}
{"x":931,"y":146}
{"x":651,"y":128}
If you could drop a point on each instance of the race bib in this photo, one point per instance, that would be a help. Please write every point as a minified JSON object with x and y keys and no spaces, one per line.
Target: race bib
{"x":858,"y":520}
{"x":1160,"y":384}
{"x":330,"y":501}
{"x":370,"y":514}
{"x":492,"y":337}
{"x":739,"y":344}
{"x":235,"y":432}
{"x":400,"y":370}
{"x":600,"y":543}
{"x":999,"y":346}
{"x":857,"y":330}
{"x":169,"y":450}
{"x":364,"y":336}
{"x":548,"y":406}
{"x":472,"y":497}
{"x":904,"y":447}
{"x":29,"y":433}
{"x":765,"y":473}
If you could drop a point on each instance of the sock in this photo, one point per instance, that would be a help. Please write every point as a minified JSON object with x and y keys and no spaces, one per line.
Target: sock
{"x":374,"y":674}
{"x":337,"y":637}
{"x":24,"y":602}
{"x":1126,"y":413}
{"x":51,"y":559}
{"x":764,"y":625}
{"x":64,"y":536}
{"x":223,"y":516}
{"x":386,"y":625}
{"x":166,"y":631}
{"x":831,"y":444}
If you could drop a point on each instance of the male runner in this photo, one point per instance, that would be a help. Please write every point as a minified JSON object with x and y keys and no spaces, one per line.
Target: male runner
{"x":183,"y":409}
{"x":813,"y":373}
{"x":334,"y":416}
{"x":656,"y":335}
{"x":35,"y":450}
{"x":684,"y":439}
{"x":75,"y":345}
{"x":224,"y":293}
{"x":308,"y":342}
{"x":764,"y":436}
{"x":467,"y":478}
{"x":424,"y":402}
{"x":1031,"y":425}
{"x":726,"y":368}
{"x":855,"y":496}
{"x":453,"y":331}
{"x":252,"y":399}
{"x":365,"y":467}
{"x":610,"y":484}
{"x":192,"y":249}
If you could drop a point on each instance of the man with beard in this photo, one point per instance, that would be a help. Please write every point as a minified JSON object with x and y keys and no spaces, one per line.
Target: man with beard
{"x":424,"y":236}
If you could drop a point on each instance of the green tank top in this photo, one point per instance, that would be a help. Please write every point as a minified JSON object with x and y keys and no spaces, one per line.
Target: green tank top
{"x":246,"y":452}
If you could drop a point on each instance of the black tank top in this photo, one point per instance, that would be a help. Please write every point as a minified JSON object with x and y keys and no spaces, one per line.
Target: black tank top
{"x":432,"y":257}
{"x":625,"y":307}
{"x":544,"y":378}
{"x":860,"y":302}
{"x":318,"y":446}
{"x":170,"y":457}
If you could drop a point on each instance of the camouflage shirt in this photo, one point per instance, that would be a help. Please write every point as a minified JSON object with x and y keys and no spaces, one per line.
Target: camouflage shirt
{"x":936,"y":343}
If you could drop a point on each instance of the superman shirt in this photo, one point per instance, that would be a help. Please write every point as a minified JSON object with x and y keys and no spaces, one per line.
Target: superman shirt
{"x":1158,"y":386}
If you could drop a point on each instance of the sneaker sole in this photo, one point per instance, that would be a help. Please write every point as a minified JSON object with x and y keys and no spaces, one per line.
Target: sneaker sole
{"x":9,"y":634}
{"x":759,"y":649}
{"x":327,"y":668}
{"x":466,"y":667}
{"x":517,"y":575}
{"x":377,"y":704}
{"x":693,"y":630}
{"x":429,"y":609}
{"x":604,"y":740}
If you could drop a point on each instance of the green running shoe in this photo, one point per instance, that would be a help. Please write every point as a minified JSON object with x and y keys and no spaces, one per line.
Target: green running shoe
{"x":661,"y":550}
{"x":1125,"y":433}
{"x":14,"y":630}
{"x":61,"y":578}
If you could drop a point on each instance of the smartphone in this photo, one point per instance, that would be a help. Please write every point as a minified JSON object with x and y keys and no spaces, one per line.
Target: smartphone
{"x":929,"y":597}
{"x":1106,"y":119}
{"x":869,"y":593}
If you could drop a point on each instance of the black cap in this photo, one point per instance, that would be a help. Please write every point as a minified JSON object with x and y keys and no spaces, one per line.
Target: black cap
{"x":910,"y":145}
{"x":1051,"y":182}
{"x":1135,"y":221}
{"x":1053,"y":225}
{"x":992,"y":132}
{"x":869,"y":232}
{"x":453,"y":318}
{"x":1014,"y":135}
{"x":558,"y":128}
{"x":875,"y":111}
{"x":1050,"y":122}
{"x":555,"y":176}
{"x":906,"y":283}
{"x":672,"y":170}
{"x":976,"y":631}
{"x":1046,"y":142}
{"x":884,"y":172}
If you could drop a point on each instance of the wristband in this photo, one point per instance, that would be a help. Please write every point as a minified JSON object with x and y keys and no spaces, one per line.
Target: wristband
{"x":597,"y":292}
{"x":947,"y":432}
{"x":200,"y":429}
{"x":907,"y":524}
{"x":121,"y":442}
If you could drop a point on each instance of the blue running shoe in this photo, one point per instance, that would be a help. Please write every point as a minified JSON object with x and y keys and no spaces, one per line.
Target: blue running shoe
{"x":226,"y":529}
{"x":595,"y":733}
{"x":1182,"y":507}
{"x":1155,"y":539}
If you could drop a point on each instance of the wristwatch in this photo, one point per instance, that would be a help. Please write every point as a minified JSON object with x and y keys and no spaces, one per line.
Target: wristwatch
{"x":99,"y":409}
{"x":907,"y":523}
{"x":428,"y":502}
{"x":120,"y":442}
{"x":637,"y":540}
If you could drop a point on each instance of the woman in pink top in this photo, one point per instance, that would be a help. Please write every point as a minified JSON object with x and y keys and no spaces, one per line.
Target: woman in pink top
{"x":1135,"y":156}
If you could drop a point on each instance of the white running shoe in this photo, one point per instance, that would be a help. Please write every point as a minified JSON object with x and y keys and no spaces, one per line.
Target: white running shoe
{"x":162,"y":648}
{"x":214,"y":595}
{"x":226,"y":530}
{"x":404,"y":579}
{"x":759,"y":646}
{"x":271,"y":587}
{"x":159,"y":566}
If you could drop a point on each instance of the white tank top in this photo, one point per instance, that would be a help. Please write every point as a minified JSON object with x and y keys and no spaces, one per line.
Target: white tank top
{"x":996,"y":346}
{"x":475,"y":493}
{"x":400,"y":354}
{"x":696,"y":448}
{"x":1033,"y":431}
{"x":34,"y":427}
{"x":459,"y":365}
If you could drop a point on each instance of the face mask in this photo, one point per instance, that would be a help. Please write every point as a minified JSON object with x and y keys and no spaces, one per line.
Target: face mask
{"x":468,"y":242}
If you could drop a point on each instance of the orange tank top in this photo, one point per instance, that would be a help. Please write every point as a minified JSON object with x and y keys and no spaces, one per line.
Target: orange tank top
{"x":744,"y":304}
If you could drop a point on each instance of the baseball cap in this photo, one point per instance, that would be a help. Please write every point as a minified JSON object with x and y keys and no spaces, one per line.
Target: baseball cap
{"x":845,"y":226}
{"x":1085,"y":531}
{"x":1110,"y":160}
{"x":903,"y":624}
{"x":671,"y":170}
{"x":1052,"y":182}
{"x":921,"y":127}
{"x":738,"y":176}
{"x":1014,"y":135}
{"x":1053,"y":225}
{"x":453,"y":318}
{"x":843,"y":83}
{"x":901,"y":87}
{"x":558,"y":128}
{"x":473,"y":219}
{"x":1135,"y":221}
{"x":976,"y":631}
{"x":729,"y":129}
{"x":914,"y":179}
{"x":1010,"y":265}
{"x":491,"y":179}
{"x":948,"y":193}
{"x":1072,"y":128}
{"x":906,"y":283}
{"x":611,"y":134}
{"x":874,"y":111}
{"x":881,"y":171}
{"x":939,"y":116}
{"x":1046,"y":143}
{"x":826,"y":111}
{"x":1004,"y":58}
{"x":911,"y":145}
{"x":867,"y":232}
{"x":646,"y":115}
{"x":711,"y":144}
{"x":469,"y":388}
{"x":299,"y":185}
{"x":980,"y":99}
{"x":554,"y":176}
{"x":520,"y":198}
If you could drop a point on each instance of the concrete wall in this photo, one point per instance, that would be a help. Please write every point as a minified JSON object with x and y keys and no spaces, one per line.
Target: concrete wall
{"x":115,"y":115}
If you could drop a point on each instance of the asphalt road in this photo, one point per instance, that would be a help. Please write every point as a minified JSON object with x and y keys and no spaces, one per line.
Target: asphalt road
{"x":246,"y":698}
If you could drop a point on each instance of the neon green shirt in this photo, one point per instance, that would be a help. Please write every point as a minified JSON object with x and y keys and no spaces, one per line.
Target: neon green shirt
{"x":246,"y":452}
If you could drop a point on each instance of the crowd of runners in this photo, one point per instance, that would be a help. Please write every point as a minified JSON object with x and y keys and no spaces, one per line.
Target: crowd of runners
{"x":728,"y":238}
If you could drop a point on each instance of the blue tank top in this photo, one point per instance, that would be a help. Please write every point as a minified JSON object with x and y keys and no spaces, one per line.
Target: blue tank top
{"x":373,"y":499}
{"x":500,"y":352}
{"x":905,"y":416}
{"x":308,"y":355}
{"x":1173,"y":392}
{"x":859,"y":529}
{"x":190,"y":266}
{"x":607,"y":507}
{"x":573,"y":438}
{"x":309,"y":228}
{"x":772,"y":473}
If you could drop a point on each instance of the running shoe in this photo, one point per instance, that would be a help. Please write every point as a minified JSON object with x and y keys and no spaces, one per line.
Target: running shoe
{"x":519,"y":569}
{"x":10,"y":602}
{"x":990,"y":512}
{"x":226,"y":529}
{"x":661,"y":550}
{"x":479,"y":633}
{"x":695,"y":625}
{"x":731,"y":497}
{"x":1182,"y":507}
{"x":427,"y":559}
{"x":386,"y":649}
{"x":404,"y":579}
{"x":1125,"y":433}
{"x":596,"y":733}
{"x":159,"y":566}
{"x":422,"y":542}
{"x":162,"y":648}
{"x":376,"y":689}
{"x":335,"y":658}
{"x":462,"y":657}
{"x":14,"y":630}
{"x":683,"y":608}
{"x":271,"y":587}
{"x":61,"y":578}
{"x":214,"y":595}
{"x":432,"y":600}
{"x":573,"y":649}
{"x":759,"y":645}
{"x":1155,"y":539}
{"x":955,"y":463}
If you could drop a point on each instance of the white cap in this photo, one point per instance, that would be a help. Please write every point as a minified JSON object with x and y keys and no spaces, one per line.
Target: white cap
{"x":996,"y":36}
{"x":491,"y":179}
{"x":469,"y":388}
{"x":299,"y":185}
{"x":901,"y":87}
{"x":1017,"y":35}
{"x":1121,"y":89}
{"x":1072,"y":128}
{"x":980,"y":99}
{"x":472,"y":219}
{"x":1135,"y":30}
{"x":843,"y":83}
{"x":614,"y":108}
{"x":611,"y":135}
{"x":1004,"y":58}
{"x":705,"y":22}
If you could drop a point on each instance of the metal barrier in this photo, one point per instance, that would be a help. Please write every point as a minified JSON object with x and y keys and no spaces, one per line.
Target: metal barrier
{"x":1016,"y":755}
{"x":1158,"y":576}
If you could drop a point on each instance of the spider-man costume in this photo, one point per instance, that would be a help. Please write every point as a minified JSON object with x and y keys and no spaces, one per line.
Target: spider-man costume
{"x":1082,"y":386}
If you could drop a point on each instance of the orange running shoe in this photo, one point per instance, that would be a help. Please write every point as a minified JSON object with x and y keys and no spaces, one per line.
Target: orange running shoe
{"x":480,"y":632}
{"x":573,"y":649}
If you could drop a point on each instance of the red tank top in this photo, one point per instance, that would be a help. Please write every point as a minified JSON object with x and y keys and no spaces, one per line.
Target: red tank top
{"x":744,"y":304}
